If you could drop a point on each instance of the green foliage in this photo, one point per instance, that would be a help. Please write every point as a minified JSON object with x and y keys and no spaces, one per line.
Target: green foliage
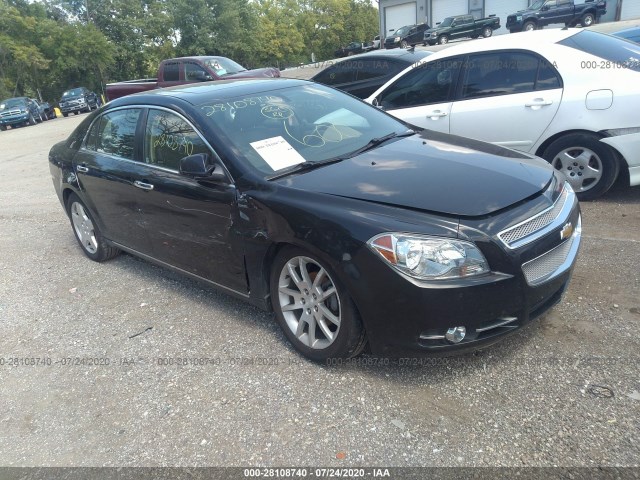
{"x":48,"y":46}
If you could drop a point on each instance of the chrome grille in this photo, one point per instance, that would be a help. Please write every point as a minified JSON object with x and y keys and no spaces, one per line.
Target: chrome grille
{"x":543,"y":219}
{"x":539,"y":269}
{"x":10,"y":113}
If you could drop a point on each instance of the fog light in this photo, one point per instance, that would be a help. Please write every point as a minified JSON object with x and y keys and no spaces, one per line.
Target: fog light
{"x":456,"y":334}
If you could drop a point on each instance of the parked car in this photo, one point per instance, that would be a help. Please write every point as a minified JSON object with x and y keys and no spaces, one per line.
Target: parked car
{"x":352,"y":49}
{"x":461,"y":26}
{"x":179,"y":71}
{"x":376,"y":42}
{"x":546,"y":12}
{"x":363,"y":74}
{"x":46,"y":111}
{"x":569,"y":96}
{"x":78,"y":100}
{"x":299,"y":198}
{"x":406,"y":36}
{"x":18,"y":111}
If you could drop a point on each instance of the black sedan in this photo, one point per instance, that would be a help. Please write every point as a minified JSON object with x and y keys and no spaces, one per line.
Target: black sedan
{"x":353,"y":227}
{"x":361,"y":75}
{"x":352,"y":49}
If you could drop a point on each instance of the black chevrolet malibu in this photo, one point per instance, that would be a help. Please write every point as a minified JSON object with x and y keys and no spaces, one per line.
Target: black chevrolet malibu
{"x":354,"y":227}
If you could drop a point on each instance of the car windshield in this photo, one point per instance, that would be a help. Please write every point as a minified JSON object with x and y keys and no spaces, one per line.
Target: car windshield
{"x":223,"y":66}
{"x":621,"y":53}
{"x":72,"y":93}
{"x":447,"y":22}
{"x":537,"y":5}
{"x":280,"y":128}
{"x":12,"y":103}
{"x":403,"y":30}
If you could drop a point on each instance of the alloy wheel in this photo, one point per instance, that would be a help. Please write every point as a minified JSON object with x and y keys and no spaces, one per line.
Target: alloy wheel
{"x":309,"y":301}
{"x":582,"y":167}
{"x":83,"y":227}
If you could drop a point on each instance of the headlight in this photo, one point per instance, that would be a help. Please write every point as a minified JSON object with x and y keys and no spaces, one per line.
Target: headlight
{"x":397,"y":39}
{"x":429,"y":258}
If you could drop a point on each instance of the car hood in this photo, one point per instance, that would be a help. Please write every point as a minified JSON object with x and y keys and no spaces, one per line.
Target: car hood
{"x":432,"y":172}
{"x":255,"y":73}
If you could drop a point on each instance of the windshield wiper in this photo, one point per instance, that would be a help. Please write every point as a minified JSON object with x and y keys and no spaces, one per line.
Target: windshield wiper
{"x":375,"y":142}
{"x":304,"y":167}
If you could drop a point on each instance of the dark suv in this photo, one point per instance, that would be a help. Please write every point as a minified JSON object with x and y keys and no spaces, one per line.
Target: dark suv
{"x":78,"y":100}
{"x":406,"y":36}
{"x":18,"y":111}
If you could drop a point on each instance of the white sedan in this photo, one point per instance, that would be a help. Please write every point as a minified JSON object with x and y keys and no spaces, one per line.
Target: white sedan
{"x":570,"y":96}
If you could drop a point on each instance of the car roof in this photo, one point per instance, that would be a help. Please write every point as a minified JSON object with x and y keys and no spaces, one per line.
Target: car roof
{"x":199,"y":57}
{"x":525,"y":40}
{"x":393,"y":53}
{"x":199,"y":93}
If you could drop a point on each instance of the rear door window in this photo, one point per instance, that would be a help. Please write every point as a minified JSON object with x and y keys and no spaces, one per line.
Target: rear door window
{"x":171,"y":72}
{"x":114,"y":133}
{"x":500,"y":73}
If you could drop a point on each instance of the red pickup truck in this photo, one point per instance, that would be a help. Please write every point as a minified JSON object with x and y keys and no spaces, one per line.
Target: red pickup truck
{"x":178,"y":71}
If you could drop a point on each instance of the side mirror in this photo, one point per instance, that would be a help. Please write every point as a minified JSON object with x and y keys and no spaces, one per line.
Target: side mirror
{"x":200,"y":165}
{"x":376,"y":103}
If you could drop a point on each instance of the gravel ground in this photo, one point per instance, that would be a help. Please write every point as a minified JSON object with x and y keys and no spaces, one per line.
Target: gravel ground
{"x":565,"y":391}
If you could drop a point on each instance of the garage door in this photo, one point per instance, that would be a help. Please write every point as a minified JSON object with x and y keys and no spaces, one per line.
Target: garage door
{"x":442,"y":9}
{"x":399,"y":16}
{"x":502,"y":9}
{"x":630,"y":9}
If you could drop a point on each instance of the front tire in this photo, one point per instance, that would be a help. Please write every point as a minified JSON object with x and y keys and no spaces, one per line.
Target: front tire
{"x":591,"y":167}
{"x":404,"y":44}
{"x":32,"y":120}
{"x":87,"y":232}
{"x":314,"y":310}
{"x":529,"y":27}
{"x":443,"y":40}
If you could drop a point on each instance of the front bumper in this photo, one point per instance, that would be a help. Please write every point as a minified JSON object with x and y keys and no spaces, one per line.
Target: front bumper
{"x":14,"y":120}
{"x":74,"y":107}
{"x":392,"y":44}
{"x":411,"y":318}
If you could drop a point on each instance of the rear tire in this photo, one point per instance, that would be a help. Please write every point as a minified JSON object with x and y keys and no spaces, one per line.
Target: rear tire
{"x":65,"y":114}
{"x":591,"y":167}
{"x":87,"y":232}
{"x":487,"y":32}
{"x":313,"y":308}
{"x":587,"y":20}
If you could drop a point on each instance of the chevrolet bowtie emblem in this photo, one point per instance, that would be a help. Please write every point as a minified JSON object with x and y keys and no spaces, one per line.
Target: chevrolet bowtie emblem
{"x":566,"y":231}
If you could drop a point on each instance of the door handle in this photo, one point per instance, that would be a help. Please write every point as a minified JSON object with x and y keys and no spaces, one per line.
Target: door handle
{"x":539,"y":102}
{"x":82,"y":169}
{"x":437,"y":114}
{"x":143,"y":185}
